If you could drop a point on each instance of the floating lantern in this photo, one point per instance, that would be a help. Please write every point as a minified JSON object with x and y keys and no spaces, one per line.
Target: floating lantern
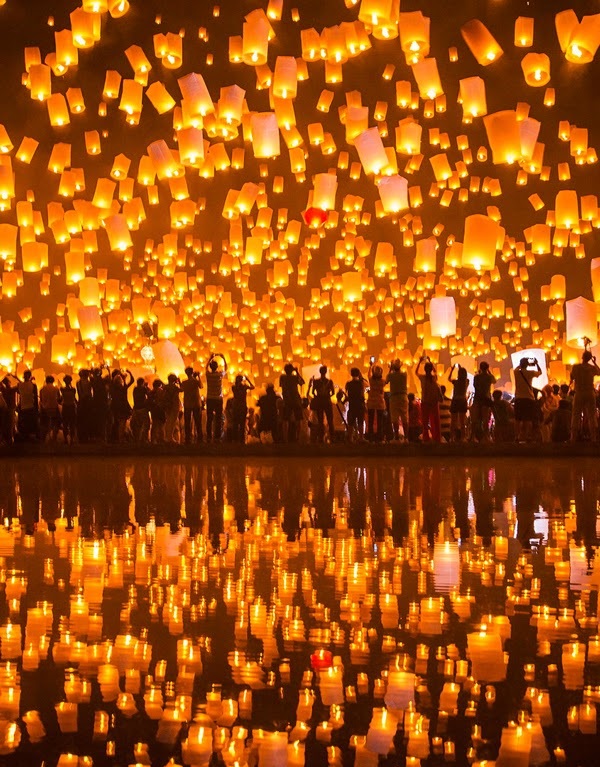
{"x":265,"y":135}
{"x":442,"y":315}
{"x":536,"y":69}
{"x":581,"y":321}
{"x":371,"y":151}
{"x":482,"y":238}
{"x":481,"y":42}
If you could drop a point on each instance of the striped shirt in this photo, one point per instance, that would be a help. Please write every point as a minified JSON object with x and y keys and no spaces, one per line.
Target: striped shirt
{"x":214,"y":384}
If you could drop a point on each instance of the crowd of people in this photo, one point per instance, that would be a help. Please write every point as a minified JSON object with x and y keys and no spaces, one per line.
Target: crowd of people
{"x":110,"y":406}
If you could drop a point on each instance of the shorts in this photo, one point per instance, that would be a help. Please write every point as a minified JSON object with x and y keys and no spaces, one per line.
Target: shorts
{"x":525,"y":410}
{"x":398,"y":408}
{"x":291,"y":409}
{"x":459,"y":406}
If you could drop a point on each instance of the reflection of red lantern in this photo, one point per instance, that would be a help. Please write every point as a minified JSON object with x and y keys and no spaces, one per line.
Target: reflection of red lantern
{"x":321,"y":660}
{"x":315,"y":217}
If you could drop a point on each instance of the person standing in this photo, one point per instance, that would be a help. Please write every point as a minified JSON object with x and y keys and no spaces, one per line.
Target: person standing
{"x":192,"y":405}
{"x":525,"y":404}
{"x":481,"y":408}
{"x":68,"y":395}
{"x":49,"y":411}
{"x":140,"y":416}
{"x":355,"y":392}
{"x":584,"y":401}
{"x":156,"y":404}
{"x":28,"y":407}
{"x":85,"y":407}
{"x":459,"y":404}
{"x":239,"y":392}
{"x":398,"y":401}
{"x":322,"y":391}
{"x":375,"y":403}
{"x":214,"y":397}
{"x":289,"y":383}
{"x":430,"y":401}
{"x":100,"y":403}
{"x":445,"y":416}
{"x":172,"y":408}
{"x":119,"y":403}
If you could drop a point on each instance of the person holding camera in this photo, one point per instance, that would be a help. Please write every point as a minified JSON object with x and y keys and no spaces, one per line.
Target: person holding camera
{"x":290,"y":382}
{"x":192,"y":405}
{"x":584,"y":401}
{"x":430,"y":400}
{"x":525,"y":400}
{"x":481,"y":407}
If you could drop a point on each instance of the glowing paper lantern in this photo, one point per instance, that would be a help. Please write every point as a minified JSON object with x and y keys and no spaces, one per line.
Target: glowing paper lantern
{"x":482,"y":238}
{"x":504,"y":136}
{"x":324,"y":191}
{"x":567,"y":209}
{"x":371,"y":151}
{"x":414,"y":35}
{"x":581,"y":321}
{"x":579,"y":40}
{"x":426,"y":255}
{"x":428,"y":78}
{"x":595,"y":275}
{"x":442,"y":316}
{"x":285,"y":77}
{"x":393,"y":192}
{"x":167,"y":359}
{"x":351,"y":286}
{"x":90,"y":323}
{"x":255,"y":41}
{"x":265,"y":134}
{"x":481,"y":42}
{"x":472,"y":96}
{"x":536,"y":69}
{"x":191,"y":146}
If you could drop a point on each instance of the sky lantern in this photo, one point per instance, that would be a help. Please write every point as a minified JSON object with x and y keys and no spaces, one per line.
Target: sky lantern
{"x":324,"y":191}
{"x":393,"y":192}
{"x":581,"y":321}
{"x":536,"y":69}
{"x":255,"y":41}
{"x":567,"y":209}
{"x":579,"y":40}
{"x":195,"y":93}
{"x":265,"y":135}
{"x":524,"y":26}
{"x":90,"y":323}
{"x":285,"y":77}
{"x":482,"y":44}
{"x":481,"y":241}
{"x":352,"y":286}
{"x":427,"y":76}
{"x":472,"y":97}
{"x":504,"y":136}
{"x":414,"y":35}
{"x":371,"y":151}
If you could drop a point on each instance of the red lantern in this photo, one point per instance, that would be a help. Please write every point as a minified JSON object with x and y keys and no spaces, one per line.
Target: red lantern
{"x":321,"y":660}
{"x":315,"y":217}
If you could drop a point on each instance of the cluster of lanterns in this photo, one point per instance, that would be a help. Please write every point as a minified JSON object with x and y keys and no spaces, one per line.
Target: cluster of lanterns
{"x":349,"y":227}
{"x":420,"y":633}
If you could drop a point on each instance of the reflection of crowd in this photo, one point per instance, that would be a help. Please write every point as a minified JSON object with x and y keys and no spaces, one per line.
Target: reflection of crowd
{"x":109,"y":406}
{"x":385,"y":497}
